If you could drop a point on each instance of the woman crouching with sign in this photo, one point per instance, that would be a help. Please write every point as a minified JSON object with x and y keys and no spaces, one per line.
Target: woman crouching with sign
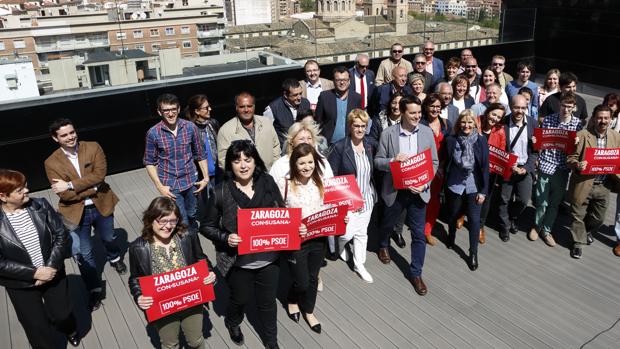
{"x":354,"y":155}
{"x":467,"y":179}
{"x":304,"y":189}
{"x":247,"y":185}
{"x":166,"y":246}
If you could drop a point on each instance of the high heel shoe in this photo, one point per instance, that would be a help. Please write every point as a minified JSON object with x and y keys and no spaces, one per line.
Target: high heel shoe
{"x":473,"y":261}
{"x":293,"y":316}
{"x":451,"y":240}
{"x":316,"y":327}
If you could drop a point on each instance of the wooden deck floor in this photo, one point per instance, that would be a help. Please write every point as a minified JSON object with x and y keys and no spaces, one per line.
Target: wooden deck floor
{"x":524,"y":295}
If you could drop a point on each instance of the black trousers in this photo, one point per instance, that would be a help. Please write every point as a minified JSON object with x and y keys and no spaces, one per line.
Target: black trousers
{"x":494,"y":188}
{"x":44,"y":310}
{"x":264,"y":283}
{"x":305,"y":265}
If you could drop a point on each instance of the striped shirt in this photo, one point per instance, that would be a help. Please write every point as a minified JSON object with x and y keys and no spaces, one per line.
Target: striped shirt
{"x":551,"y":160}
{"x":362,"y":177}
{"x":27,"y":233}
{"x":174,"y":155}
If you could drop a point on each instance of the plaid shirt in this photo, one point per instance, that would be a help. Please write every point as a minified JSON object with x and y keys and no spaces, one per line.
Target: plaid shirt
{"x":551,"y":160}
{"x":174,"y":156}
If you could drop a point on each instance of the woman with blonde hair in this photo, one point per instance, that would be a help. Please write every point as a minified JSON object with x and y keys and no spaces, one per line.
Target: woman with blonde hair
{"x":550,"y":86}
{"x":417,"y":82}
{"x":467,"y":179}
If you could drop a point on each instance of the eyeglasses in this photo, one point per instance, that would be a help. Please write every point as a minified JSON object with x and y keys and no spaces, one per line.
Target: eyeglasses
{"x":420,"y":62}
{"x":429,"y":49}
{"x":498,"y":64}
{"x":205,"y":108}
{"x":362,"y":66}
{"x":169,"y":110}
{"x":341,"y":80}
{"x":359,"y":126}
{"x":397,"y":51}
{"x":165,"y":222}
{"x":471,"y":66}
{"x":434,"y":106}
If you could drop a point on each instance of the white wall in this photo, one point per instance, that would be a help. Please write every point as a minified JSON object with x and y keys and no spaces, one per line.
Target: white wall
{"x":26,"y":81}
{"x":252,"y":11}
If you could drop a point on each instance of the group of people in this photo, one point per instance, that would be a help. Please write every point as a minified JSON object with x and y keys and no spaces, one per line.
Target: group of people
{"x":357,"y":123}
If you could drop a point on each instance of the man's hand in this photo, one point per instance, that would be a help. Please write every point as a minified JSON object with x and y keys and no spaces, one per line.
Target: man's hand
{"x":233,"y":240}
{"x":165,"y":191}
{"x":576,"y":140}
{"x":44,"y":274}
{"x":303,"y":231}
{"x":582,"y":165}
{"x":201,"y":185}
{"x":59,"y":186}
{"x":480,"y":199}
{"x":210,"y":278}
{"x":417,"y":190}
{"x":400,"y":157}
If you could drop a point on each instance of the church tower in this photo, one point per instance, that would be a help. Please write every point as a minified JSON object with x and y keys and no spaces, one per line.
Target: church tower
{"x":373,"y":7}
{"x":335,"y":9}
{"x":397,"y":15}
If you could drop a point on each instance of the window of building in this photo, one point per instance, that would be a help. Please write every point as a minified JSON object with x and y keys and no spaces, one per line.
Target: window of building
{"x":137,"y":34}
{"x":140,"y":47}
{"x":19,"y":44}
{"x":2,"y":46}
{"x":154,"y":32}
{"x":184,"y":30}
{"x":155,"y":47}
{"x":187,"y":44}
{"x":170,"y":31}
{"x":121,"y":35}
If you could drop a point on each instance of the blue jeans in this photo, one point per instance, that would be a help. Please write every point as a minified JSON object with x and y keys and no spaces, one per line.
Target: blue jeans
{"x":104,"y":227}
{"x":416,"y":217}
{"x":473,"y":216}
{"x":186,"y":200}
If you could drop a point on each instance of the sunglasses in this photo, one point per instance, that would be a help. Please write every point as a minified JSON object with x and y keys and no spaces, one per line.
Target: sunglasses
{"x":397,"y":51}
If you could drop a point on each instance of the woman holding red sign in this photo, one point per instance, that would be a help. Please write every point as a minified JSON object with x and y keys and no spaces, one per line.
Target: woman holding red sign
{"x":354,"y":155}
{"x":467,"y":179}
{"x":492,"y":128}
{"x":165,"y":246}
{"x":431,"y":111}
{"x":246,"y":185}
{"x":304,"y":189}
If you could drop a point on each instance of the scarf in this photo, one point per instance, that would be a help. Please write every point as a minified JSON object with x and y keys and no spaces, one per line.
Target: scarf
{"x":464,"y":154}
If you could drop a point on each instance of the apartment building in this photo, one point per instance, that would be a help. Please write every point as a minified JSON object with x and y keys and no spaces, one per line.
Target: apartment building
{"x":41,"y":34}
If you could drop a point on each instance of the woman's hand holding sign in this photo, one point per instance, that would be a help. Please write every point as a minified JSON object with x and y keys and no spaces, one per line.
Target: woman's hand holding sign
{"x":145,"y":302}
{"x":210,"y":278}
{"x":233,"y":240}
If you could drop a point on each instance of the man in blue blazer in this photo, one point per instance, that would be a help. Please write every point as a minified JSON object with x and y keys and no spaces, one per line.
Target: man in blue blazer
{"x":431,"y":61}
{"x":334,"y":106}
{"x":398,"y":143}
{"x":360,"y":73}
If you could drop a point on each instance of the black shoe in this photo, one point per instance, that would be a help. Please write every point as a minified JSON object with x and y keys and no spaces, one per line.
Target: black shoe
{"x":324,"y":263}
{"x":74,"y":339}
{"x":235,"y":334}
{"x":589,"y":239}
{"x":576,"y":252}
{"x":513,"y":227}
{"x":272,"y":346}
{"x":451,"y":240}
{"x":473,"y":261}
{"x":504,"y":236}
{"x":399,"y":240}
{"x":332,"y":256}
{"x":119,"y":266}
{"x":94,"y":301}
{"x":316,"y":328}
{"x":293,"y":316}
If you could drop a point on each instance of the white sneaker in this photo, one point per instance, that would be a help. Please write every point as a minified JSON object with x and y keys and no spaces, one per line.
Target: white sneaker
{"x":319,"y":286}
{"x":344,"y":255}
{"x":363,"y":273}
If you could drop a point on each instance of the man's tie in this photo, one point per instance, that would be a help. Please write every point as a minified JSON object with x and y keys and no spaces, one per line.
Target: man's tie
{"x":363,"y":91}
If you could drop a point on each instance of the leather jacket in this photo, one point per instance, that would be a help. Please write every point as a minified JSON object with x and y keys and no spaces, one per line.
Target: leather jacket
{"x":140,"y":258}
{"x":16,"y":268}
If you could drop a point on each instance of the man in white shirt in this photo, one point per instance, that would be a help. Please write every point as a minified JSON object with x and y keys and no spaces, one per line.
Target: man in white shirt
{"x":314,"y":84}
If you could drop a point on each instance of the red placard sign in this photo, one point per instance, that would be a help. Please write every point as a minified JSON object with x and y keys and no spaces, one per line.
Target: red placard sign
{"x":325,"y":223}
{"x":602,"y":161}
{"x":555,"y":138}
{"x":176,"y":290}
{"x":413,"y":172}
{"x":342,"y":190}
{"x":268,"y":229}
{"x":501,"y":162}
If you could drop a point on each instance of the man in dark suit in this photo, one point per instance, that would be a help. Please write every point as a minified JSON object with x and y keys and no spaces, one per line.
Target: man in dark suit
{"x":362,"y":79}
{"x":448,"y":111}
{"x":334,"y":106}
{"x":283,"y":110}
{"x":434,"y":65}
{"x":76,"y":171}
{"x":419,"y":66}
{"x":383,"y":93}
{"x":398,"y":143}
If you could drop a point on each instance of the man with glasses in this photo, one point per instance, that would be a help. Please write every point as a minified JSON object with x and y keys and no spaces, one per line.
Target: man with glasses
{"x":448,"y":110}
{"x":362,"y":79}
{"x":384,"y":73}
{"x":434,"y":65}
{"x":471,"y":66}
{"x":419,"y":67}
{"x":314,"y":84}
{"x":255,"y":128}
{"x":283,"y":109}
{"x":465,"y":55}
{"x":172,"y":145}
{"x":498,"y":63}
{"x":494,"y":92}
{"x":76,"y":171}
{"x":334,"y":106}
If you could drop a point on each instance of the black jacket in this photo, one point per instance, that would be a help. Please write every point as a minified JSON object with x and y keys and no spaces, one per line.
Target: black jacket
{"x":481,"y":167}
{"x":140,"y":258}
{"x":283,"y":117}
{"x":16,"y":269}
{"x":327,"y":111}
{"x":342,"y":157}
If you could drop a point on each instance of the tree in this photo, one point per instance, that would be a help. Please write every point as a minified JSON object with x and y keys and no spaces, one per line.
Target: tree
{"x":307,"y":5}
{"x":482,"y":15}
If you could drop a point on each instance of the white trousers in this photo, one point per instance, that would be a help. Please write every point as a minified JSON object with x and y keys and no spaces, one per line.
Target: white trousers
{"x":357,"y":230}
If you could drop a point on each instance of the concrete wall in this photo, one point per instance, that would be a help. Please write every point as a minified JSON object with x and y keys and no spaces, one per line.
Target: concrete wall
{"x":63,"y":74}
{"x":22,"y":75}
